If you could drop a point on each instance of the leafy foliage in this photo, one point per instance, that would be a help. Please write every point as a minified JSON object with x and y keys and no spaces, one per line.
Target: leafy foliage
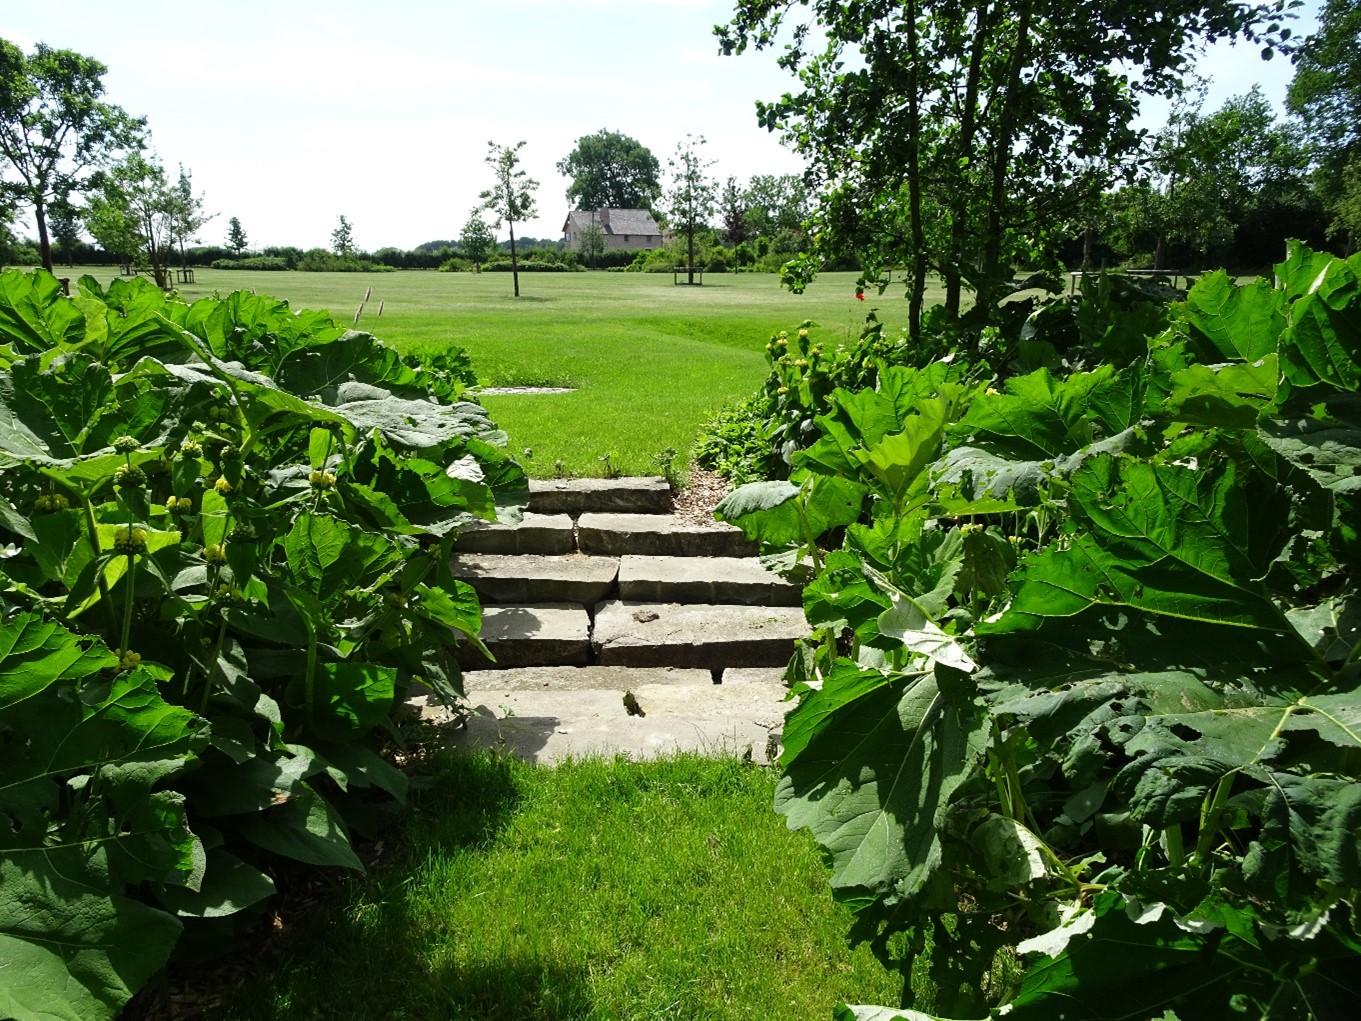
{"x":1082,"y":691}
{"x":227,"y":528}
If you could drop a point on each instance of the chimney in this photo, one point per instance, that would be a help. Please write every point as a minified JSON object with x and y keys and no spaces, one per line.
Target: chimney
{"x":605,"y":220}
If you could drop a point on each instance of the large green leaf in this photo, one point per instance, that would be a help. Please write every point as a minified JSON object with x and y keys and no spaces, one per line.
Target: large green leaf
{"x":1162,"y":539}
{"x":34,"y":315}
{"x":871,"y":763}
{"x":305,"y":828}
{"x":1241,"y":322}
{"x":36,"y":653}
{"x":72,"y":948}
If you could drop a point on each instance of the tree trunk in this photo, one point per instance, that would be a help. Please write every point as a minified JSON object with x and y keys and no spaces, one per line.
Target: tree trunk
{"x":959,"y":200}
{"x":690,"y":255}
{"x":44,"y":243}
{"x":514,"y":263}
{"x":1087,"y":250}
{"x":1001,"y":160}
{"x":1159,"y":252}
{"x":914,"y":190}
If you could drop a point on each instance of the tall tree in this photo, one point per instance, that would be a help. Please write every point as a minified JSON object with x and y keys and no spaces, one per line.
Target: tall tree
{"x":236,"y":237}
{"x":133,"y":213}
{"x":511,"y":198}
{"x":342,"y":238}
{"x":732,"y":209}
{"x":776,"y":203}
{"x":610,"y":170}
{"x":1326,"y":97}
{"x":948,"y":137}
{"x":55,"y":128}
{"x":63,"y":221}
{"x":477,"y":239}
{"x":690,"y":201}
{"x":188,"y":216}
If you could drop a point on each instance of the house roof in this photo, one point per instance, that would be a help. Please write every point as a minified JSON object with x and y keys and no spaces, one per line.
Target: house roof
{"x":613,"y":221}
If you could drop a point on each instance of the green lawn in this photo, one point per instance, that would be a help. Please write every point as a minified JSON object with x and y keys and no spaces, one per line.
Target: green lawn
{"x":650,"y":361}
{"x":592,"y":891}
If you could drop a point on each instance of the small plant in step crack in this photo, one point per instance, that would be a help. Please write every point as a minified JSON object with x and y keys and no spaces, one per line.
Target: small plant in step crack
{"x":666,"y":464}
{"x":559,"y":469}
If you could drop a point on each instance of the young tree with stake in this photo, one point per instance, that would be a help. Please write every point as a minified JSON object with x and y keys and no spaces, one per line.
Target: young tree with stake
{"x":236,"y":237}
{"x":511,"y":198}
{"x":691,"y":198}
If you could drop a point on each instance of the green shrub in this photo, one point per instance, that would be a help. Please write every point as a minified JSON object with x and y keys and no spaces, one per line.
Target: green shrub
{"x":504,"y":266}
{"x":457,"y":264}
{"x":227,"y":530}
{"x":264,"y":262}
{"x":319,"y":260}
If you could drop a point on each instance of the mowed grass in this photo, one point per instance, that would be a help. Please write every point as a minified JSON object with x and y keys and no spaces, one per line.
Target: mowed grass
{"x":592,"y":891}
{"x":650,"y":361}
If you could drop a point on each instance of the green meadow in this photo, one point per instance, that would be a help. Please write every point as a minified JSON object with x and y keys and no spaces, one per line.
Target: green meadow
{"x":649,"y":360}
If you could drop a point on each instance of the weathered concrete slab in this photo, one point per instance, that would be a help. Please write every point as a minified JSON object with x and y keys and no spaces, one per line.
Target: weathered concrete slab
{"x":582,"y":678}
{"x":549,"y":726}
{"x":704,"y":580}
{"x":530,"y":578}
{"x":539,"y":634}
{"x":658,"y":535}
{"x":659,"y":634}
{"x":548,"y":534}
{"x":641,"y":495}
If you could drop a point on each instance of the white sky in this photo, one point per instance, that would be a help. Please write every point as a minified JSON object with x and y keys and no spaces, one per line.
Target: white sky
{"x":291,"y":112}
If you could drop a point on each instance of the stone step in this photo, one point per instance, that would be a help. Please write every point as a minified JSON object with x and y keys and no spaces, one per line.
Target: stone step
{"x":535,"y":634}
{"x":614,"y":678}
{"x":658,"y":535}
{"x":530,"y":578}
{"x":704,"y":580}
{"x":683,"y":711}
{"x":630,"y":633}
{"x":546,"y":534}
{"x":639,"y":495}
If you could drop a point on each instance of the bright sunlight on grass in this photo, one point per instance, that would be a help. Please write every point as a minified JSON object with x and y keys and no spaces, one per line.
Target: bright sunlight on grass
{"x":593,"y":891}
{"x":650,"y":361}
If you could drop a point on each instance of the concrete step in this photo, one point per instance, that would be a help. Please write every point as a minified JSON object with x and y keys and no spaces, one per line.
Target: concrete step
{"x":704,"y":580}
{"x":547,"y":534}
{"x":714,"y":636}
{"x":583,"y":678}
{"x":535,"y":634}
{"x":658,"y":535}
{"x":567,"y":717}
{"x":530,"y":578}
{"x":614,"y":678}
{"x":639,"y":495}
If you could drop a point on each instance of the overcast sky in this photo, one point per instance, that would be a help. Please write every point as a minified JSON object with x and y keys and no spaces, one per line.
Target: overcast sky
{"x":291,"y":112}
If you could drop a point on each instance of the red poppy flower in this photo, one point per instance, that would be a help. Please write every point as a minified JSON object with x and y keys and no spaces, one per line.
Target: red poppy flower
{"x":859,"y":295}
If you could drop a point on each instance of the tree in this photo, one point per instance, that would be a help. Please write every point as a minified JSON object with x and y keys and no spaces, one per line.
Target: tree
{"x":63,"y":223}
{"x":342,"y":238}
{"x":511,"y":198}
{"x":961,"y":138}
{"x":477,"y":240}
{"x":610,"y":170}
{"x":1326,"y":98}
{"x":591,"y":243}
{"x":134,"y":212}
{"x":236,"y":237}
{"x":55,"y":129}
{"x":690,"y":202}
{"x":776,"y":203}
{"x":732,"y":207}
{"x":187,"y":216}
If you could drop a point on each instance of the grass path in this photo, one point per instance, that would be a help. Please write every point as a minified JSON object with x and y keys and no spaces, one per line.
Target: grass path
{"x":650,"y":361}
{"x":592,"y":891}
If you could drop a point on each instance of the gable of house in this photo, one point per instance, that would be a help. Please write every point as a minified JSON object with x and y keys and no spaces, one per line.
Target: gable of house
{"x":621,"y":228}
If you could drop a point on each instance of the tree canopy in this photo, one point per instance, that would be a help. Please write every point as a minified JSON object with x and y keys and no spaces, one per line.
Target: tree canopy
{"x":965,"y":139}
{"x":610,"y":170}
{"x":55,"y":128}
{"x":1326,"y":97}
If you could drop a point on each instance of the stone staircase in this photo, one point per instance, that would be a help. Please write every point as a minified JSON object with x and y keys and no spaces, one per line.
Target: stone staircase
{"x":619,"y":628}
